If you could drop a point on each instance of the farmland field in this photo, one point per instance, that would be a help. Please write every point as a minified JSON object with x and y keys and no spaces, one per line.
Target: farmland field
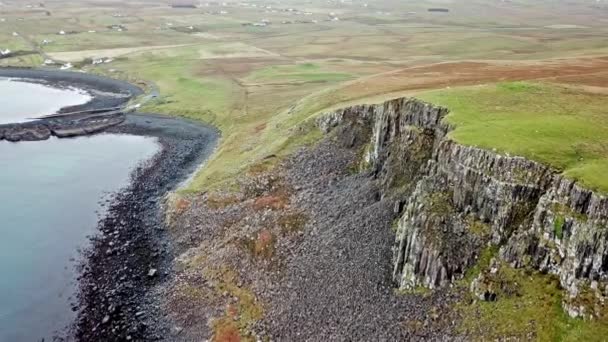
{"x":522,"y":78}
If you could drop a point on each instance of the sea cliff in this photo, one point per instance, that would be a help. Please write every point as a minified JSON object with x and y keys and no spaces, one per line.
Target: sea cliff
{"x":455,"y":201}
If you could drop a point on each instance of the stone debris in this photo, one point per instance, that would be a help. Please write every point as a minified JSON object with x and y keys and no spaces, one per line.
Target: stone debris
{"x":459,"y":199}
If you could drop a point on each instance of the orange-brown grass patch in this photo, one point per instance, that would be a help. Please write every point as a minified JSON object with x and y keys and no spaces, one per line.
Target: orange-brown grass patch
{"x":273,"y":202}
{"x":219,"y":201}
{"x":449,"y":74}
{"x":241,"y":67}
{"x":263,"y":166}
{"x":259,"y":128}
{"x":262,"y":246}
{"x":292,"y":222}
{"x":239,"y":316}
{"x":594,"y":80}
{"x":226,"y":330}
{"x":178,"y":205}
{"x":181,"y":205}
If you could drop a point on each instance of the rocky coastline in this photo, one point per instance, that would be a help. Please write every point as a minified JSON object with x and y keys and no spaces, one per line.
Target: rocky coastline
{"x":104,"y":110}
{"x":130,"y":255}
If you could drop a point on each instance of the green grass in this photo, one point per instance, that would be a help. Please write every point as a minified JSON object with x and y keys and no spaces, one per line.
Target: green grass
{"x":564,"y":128}
{"x":192,"y":88}
{"x":305,"y":72}
{"x":558,"y":227}
{"x":534,"y":312}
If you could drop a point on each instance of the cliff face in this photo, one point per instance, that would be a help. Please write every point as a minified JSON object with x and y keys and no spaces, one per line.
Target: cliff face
{"x":455,"y":200}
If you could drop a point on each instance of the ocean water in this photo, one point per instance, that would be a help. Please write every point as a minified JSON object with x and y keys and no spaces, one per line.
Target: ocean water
{"x":21,"y":101}
{"x":50,"y":202}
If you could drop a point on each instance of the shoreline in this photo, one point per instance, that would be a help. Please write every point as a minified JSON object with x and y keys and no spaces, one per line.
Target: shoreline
{"x":92,"y":115}
{"x":130,"y":253}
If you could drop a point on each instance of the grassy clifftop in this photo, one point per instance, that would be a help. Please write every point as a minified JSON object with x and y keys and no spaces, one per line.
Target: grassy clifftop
{"x":563,"y":127}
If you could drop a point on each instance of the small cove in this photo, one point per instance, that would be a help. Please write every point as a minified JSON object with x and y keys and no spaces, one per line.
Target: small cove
{"x":52,"y":192}
{"x":21,"y":100}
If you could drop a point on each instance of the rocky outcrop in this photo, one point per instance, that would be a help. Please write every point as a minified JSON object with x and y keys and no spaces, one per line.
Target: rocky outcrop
{"x":455,"y":200}
{"x":25,"y":132}
{"x":568,"y":237}
{"x":62,"y":127}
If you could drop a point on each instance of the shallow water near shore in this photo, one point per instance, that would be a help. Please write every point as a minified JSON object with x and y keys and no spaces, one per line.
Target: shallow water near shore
{"x":21,"y":100}
{"x":51,"y":194}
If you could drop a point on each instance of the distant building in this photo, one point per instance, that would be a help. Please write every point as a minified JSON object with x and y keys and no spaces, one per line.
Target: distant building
{"x":183,"y":4}
{"x":443,"y":10}
{"x":118,"y":28}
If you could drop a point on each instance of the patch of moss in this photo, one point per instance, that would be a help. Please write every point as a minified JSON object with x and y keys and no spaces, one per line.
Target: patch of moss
{"x":533,"y":312}
{"x":262,"y":246}
{"x":440,"y":203}
{"x":240,"y":316}
{"x":521,"y":212}
{"x":417,"y":291}
{"x":263,"y":166}
{"x":480,"y":229}
{"x":565,"y":211}
{"x":558,"y":226}
{"x":292,"y":222}
{"x":518,"y":87}
{"x":395,"y":224}
{"x":226,"y":330}
{"x":220,"y":201}
{"x":360,"y":163}
{"x":405,"y":157}
{"x":483,"y":261}
{"x":587,"y":299}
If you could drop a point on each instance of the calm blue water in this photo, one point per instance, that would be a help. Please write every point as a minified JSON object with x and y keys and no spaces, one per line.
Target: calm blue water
{"x":50,"y":193}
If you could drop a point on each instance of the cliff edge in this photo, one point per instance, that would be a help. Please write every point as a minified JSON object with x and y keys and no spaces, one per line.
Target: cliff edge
{"x":455,"y":201}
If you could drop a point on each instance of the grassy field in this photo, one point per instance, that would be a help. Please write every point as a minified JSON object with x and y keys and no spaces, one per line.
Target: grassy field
{"x":562,"y":127}
{"x":304,"y":72}
{"x":532,"y":311}
{"x":258,"y":84}
{"x":527,"y":78}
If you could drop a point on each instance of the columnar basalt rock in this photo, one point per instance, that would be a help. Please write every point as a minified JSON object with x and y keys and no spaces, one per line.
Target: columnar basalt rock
{"x":455,"y":200}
